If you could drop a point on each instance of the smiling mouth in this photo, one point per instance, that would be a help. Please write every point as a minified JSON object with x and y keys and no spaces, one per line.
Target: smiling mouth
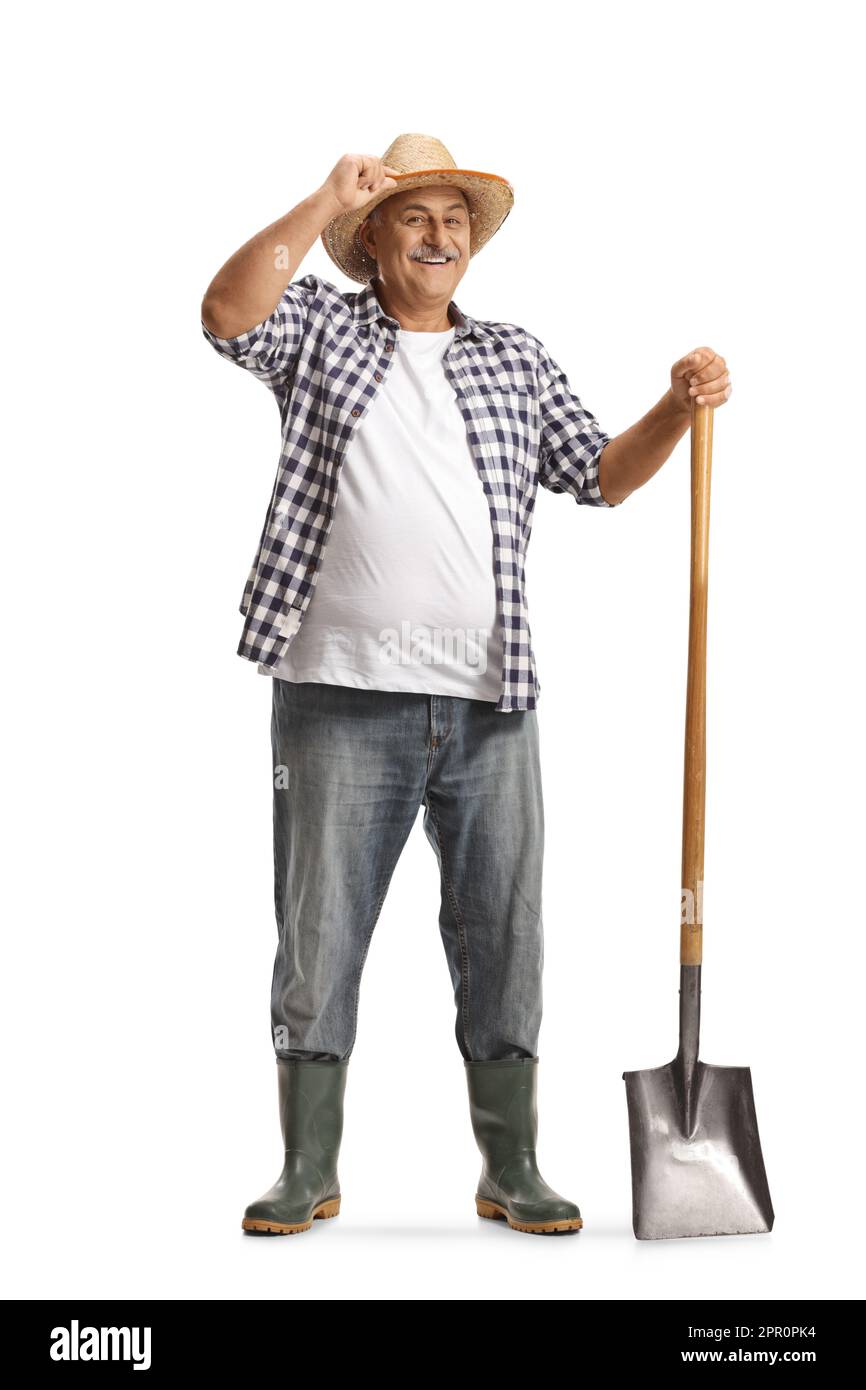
{"x":448,"y":261}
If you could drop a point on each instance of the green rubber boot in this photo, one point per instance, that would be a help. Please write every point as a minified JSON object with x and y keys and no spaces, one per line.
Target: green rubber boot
{"x":504,"y":1111}
{"x":311,"y":1115}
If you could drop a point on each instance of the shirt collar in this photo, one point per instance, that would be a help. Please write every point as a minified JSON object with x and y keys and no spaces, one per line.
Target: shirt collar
{"x":367,"y":309}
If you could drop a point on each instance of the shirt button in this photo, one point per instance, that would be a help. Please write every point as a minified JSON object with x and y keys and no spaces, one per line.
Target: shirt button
{"x":377,"y":376}
{"x":389,"y":347}
{"x":311,"y":566}
{"x":356,"y":411}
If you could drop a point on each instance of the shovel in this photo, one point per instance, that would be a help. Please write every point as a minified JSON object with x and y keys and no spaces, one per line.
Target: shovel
{"x":696,"y":1162}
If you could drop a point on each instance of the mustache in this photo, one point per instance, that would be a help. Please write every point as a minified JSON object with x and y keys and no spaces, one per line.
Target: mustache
{"x":428,"y":255}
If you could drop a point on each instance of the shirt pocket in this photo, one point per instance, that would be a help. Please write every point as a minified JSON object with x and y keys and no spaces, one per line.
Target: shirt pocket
{"x":509,"y":424}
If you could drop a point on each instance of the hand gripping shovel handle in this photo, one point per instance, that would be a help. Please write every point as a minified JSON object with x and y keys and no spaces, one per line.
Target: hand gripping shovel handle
{"x":695,"y":762}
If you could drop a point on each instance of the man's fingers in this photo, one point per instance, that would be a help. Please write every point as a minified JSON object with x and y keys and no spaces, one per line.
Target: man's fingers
{"x":687,"y":366}
{"x":709,"y":381}
{"x":714,"y":383}
{"x":372,"y":171}
{"x":384,"y":177}
{"x":702,"y":395}
{"x":717,"y":367}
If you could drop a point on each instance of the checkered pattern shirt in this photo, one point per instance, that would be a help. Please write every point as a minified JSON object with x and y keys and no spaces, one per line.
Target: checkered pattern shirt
{"x":325,"y":353}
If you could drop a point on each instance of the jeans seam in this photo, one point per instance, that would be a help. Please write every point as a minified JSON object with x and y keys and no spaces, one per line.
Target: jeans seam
{"x":363,"y":959}
{"x":461,"y":927}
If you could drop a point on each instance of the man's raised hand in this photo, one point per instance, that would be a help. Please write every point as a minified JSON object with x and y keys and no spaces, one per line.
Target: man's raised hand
{"x":356,"y":178}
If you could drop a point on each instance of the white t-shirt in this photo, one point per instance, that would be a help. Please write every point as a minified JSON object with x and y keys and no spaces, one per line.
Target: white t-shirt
{"x":405,"y":597}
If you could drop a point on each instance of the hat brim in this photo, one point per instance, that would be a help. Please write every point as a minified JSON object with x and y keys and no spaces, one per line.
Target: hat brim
{"x":491,"y":199}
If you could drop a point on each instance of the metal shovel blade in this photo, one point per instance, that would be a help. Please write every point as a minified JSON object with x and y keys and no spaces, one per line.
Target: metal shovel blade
{"x":696,"y":1161}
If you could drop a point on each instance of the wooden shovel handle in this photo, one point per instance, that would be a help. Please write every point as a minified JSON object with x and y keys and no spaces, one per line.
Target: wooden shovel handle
{"x":695,"y":770}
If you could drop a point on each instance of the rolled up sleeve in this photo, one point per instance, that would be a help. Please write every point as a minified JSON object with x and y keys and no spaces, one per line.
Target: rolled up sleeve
{"x":571,"y":438}
{"x":270,"y":350}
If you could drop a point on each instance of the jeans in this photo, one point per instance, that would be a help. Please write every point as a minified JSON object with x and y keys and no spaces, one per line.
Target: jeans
{"x":351,"y":769}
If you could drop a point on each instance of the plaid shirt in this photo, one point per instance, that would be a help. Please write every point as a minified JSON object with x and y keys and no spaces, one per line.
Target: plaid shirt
{"x":325,"y":353}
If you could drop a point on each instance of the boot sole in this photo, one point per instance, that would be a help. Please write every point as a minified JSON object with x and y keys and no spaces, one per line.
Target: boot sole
{"x":495,"y":1212}
{"x":280,"y":1228}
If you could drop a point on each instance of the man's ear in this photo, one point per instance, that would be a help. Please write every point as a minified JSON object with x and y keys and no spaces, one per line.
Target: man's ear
{"x":367,"y":237}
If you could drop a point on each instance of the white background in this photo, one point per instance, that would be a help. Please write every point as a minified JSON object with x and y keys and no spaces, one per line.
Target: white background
{"x":684,"y":175}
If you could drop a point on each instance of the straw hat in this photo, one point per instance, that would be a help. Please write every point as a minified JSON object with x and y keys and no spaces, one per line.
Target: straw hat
{"x":423,"y":160}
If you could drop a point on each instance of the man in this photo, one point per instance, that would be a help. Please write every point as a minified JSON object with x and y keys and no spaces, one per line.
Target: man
{"x":395,"y":629}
